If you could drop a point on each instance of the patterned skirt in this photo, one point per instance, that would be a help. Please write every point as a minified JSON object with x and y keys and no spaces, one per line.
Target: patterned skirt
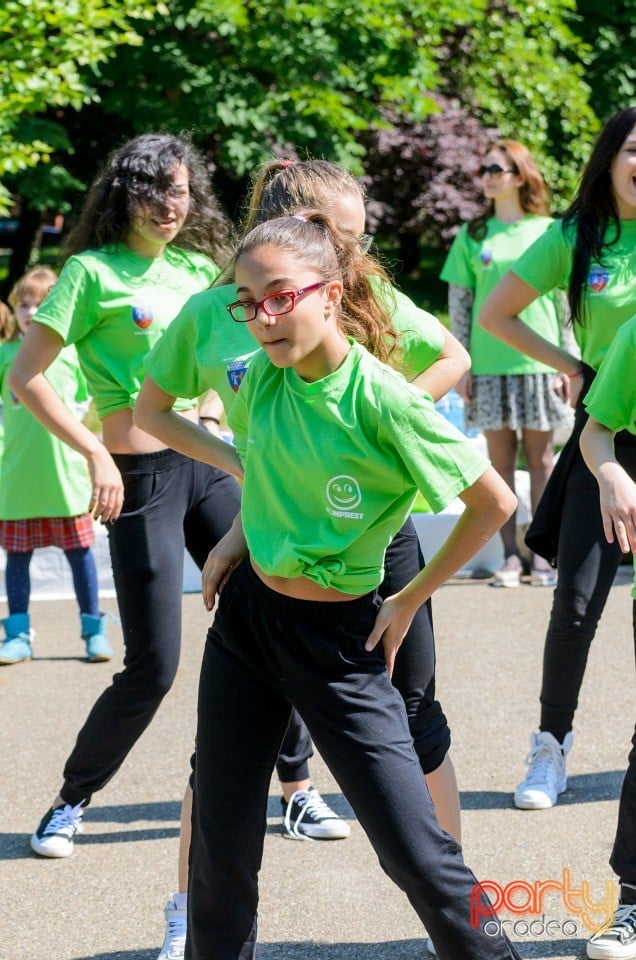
{"x":519,"y":401}
{"x":67,"y":533}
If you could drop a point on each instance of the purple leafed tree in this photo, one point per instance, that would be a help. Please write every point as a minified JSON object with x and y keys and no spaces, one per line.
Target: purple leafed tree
{"x":420,"y":177}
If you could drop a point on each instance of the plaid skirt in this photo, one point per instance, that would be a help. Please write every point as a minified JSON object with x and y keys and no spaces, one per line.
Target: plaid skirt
{"x":67,"y":533}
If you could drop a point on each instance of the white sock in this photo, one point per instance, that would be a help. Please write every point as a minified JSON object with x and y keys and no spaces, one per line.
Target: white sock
{"x":180,"y":900}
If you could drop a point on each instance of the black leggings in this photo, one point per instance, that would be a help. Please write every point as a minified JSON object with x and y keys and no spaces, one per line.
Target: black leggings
{"x":170,"y":503}
{"x":587,"y":564}
{"x":623,"y":859}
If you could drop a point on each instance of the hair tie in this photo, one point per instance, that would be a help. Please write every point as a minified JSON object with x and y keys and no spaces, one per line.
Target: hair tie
{"x":287,"y":163}
{"x":299,"y":216}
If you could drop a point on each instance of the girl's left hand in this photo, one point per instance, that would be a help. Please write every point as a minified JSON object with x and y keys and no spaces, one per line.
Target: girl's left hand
{"x":391,"y":625}
{"x":221,"y":563}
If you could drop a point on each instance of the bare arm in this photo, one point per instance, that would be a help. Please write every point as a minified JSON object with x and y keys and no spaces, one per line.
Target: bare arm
{"x":445,"y":372}
{"x":500,"y":316}
{"x":616,"y":488}
{"x":153,"y":413}
{"x":489,"y":502}
{"x":37,"y":352}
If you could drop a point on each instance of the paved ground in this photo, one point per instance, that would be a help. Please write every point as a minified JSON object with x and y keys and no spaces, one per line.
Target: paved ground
{"x":319,"y":901}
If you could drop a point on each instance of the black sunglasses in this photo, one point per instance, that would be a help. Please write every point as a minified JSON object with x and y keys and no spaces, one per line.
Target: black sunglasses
{"x":494,"y":169}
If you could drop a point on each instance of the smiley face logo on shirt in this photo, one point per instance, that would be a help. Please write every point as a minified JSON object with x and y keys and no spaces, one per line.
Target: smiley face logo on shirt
{"x":598,"y":279}
{"x":14,"y":400}
{"x":142,"y":315}
{"x":486,"y":257}
{"x":343,"y":492}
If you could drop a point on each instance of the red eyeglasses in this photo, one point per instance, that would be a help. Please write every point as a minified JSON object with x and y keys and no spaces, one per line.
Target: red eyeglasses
{"x":242,"y":311}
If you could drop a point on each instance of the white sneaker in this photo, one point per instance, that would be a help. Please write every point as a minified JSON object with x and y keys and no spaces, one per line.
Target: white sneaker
{"x":546,"y":777}
{"x":176,"y":928}
{"x":54,"y":835}
{"x":308,"y":817}
{"x":617,"y":940}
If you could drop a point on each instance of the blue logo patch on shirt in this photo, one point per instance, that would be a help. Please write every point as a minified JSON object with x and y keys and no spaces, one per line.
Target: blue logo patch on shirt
{"x":235,"y":373}
{"x":486,"y":257}
{"x":598,"y":279}
{"x":142,"y":315}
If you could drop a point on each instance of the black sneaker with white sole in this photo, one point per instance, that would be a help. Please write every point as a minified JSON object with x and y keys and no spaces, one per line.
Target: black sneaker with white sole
{"x":54,"y":836}
{"x":617,"y":939}
{"x":306,"y":816}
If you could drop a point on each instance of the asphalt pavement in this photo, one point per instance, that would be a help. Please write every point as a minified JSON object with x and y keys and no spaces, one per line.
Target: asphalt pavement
{"x":323,"y":900}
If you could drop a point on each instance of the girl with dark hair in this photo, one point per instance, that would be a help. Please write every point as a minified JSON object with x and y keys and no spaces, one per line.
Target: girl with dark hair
{"x":334,"y":446}
{"x":202,"y":350}
{"x":591,"y":253}
{"x":124,"y":283}
{"x":506,"y":391}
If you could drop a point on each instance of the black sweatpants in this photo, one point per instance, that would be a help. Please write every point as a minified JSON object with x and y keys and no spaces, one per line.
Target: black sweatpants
{"x":587,"y":564}
{"x":263,"y":652}
{"x":170,"y":502}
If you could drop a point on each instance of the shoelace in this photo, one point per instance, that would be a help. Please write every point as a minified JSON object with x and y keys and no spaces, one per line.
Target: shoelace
{"x":311,"y":803}
{"x":67,"y":820}
{"x":177,"y":930}
{"x":623,"y":922}
{"x":541,"y":763}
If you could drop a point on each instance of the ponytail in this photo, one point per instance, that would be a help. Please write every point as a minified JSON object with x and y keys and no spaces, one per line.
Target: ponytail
{"x":318,"y":243}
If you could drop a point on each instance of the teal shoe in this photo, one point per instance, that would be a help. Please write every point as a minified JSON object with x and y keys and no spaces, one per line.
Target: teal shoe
{"x":17,"y":647}
{"x":98,"y":649}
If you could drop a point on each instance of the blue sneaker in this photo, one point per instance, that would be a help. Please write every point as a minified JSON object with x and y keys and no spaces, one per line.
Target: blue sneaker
{"x":98,"y":649}
{"x":17,"y":647}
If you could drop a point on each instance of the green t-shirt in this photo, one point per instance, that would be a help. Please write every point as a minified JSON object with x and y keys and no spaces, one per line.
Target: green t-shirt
{"x":332,"y":467}
{"x":114,"y":306}
{"x":612,"y":397}
{"x":610,"y":296}
{"x":41,"y":476}
{"x":479,"y":265}
{"x":204,"y":349}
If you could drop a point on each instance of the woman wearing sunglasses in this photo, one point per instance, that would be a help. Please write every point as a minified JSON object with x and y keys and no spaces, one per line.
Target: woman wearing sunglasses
{"x":506,"y":391}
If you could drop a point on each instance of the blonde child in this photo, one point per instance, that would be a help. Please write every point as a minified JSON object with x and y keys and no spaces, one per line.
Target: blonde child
{"x":45,"y":490}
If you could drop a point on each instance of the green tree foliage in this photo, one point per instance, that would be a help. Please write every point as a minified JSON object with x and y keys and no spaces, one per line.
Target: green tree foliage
{"x":522,"y":69}
{"x":610,"y":31}
{"x":50,"y":51}
{"x":324,"y":77}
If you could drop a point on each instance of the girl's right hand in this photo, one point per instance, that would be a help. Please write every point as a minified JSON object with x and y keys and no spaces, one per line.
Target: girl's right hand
{"x":464,"y":387}
{"x":108,"y":486}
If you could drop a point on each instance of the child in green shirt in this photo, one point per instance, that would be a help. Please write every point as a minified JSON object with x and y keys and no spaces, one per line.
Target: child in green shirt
{"x":45,"y":490}
{"x":611,"y":405}
{"x":146,"y":240}
{"x":334,"y":446}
